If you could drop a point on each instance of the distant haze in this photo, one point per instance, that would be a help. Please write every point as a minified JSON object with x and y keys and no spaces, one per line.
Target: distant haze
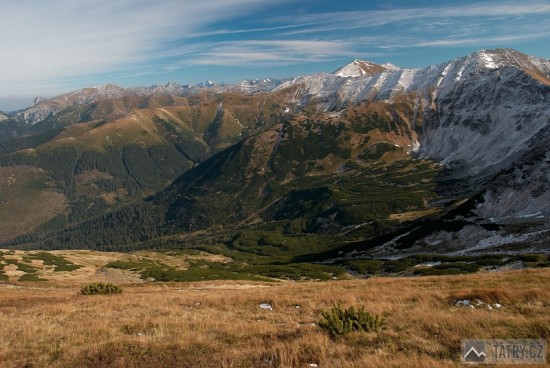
{"x":9,"y":104}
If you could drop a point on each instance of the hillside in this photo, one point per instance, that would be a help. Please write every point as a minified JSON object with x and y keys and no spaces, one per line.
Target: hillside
{"x":318,"y":174}
{"x":108,"y":153}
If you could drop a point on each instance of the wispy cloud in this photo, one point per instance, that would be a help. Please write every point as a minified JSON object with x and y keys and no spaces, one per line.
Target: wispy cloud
{"x":472,"y":41}
{"x":342,"y":33}
{"x":275,"y":52}
{"x":50,"y":46}
{"x":45,"y":40}
{"x":436,"y":26}
{"x":372,"y":18}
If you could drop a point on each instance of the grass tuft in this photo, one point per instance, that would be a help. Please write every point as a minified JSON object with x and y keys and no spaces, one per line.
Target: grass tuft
{"x":339,"y":321}
{"x":100,"y":288}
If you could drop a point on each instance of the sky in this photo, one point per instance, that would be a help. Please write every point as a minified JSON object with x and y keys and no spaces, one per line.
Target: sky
{"x":51,"y":47}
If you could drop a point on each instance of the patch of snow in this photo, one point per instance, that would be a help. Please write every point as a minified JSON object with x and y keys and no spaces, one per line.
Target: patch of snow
{"x":75,"y":92}
{"x":460,"y":72}
{"x":390,"y":66}
{"x":443,"y":74}
{"x":489,"y":62}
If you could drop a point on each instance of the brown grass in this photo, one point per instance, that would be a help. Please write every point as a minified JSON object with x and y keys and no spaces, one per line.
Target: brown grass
{"x":92,"y":265}
{"x":412,"y":215}
{"x":220,"y":324}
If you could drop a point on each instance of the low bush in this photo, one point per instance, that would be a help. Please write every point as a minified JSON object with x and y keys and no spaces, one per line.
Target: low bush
{"x":100,"y":288}
{"x":339,"y":321}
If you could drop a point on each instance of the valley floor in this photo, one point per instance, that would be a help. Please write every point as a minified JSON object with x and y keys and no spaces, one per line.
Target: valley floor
{"x":221,"y":323}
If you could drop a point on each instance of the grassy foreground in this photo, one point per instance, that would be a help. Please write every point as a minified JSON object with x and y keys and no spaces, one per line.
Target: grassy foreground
{"x":221,"y":324}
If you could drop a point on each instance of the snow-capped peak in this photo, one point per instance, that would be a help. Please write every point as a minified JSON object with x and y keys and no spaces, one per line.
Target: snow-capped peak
{"x":359,"y":68}
{"x":499,"y":58}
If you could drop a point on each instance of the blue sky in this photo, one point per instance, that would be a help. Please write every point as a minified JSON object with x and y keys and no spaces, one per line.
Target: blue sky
{"x":52,"y":47}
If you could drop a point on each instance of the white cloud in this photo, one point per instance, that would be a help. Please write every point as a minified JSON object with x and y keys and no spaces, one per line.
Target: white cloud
{"x":474,"y":41}
{"x":273,"y":52}
{"x":43,"y":41}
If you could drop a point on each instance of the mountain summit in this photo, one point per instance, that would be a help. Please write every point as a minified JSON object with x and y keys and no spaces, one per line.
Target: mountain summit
{"x":359,"y":68}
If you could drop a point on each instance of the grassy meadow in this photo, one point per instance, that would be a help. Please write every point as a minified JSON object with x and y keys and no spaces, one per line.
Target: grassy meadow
{"x":221,"y":323}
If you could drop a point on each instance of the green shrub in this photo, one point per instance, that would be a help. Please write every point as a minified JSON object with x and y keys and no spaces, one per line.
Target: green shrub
{"x":338,"y":321}
{"x":448,"y":268}
{"x":100,"y":288}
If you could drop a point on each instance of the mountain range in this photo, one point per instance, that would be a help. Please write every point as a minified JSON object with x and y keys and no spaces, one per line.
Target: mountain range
{"x":368,"y":161}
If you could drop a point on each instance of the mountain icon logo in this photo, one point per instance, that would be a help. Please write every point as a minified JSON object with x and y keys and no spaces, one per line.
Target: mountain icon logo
{"x":474,"y":351}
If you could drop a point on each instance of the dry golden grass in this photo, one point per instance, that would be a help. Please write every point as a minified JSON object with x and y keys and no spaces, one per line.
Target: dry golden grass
{"x":92,"y":264}
{"x":412,"y":215}
{"x":220,"y":324}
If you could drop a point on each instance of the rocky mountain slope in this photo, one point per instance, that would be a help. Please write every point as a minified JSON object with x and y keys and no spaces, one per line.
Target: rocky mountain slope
{"x":476,"y":114}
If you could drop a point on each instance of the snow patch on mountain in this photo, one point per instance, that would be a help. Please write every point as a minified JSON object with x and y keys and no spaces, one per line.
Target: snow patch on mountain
{"x":390,"y":66}
{"x":359,"y":68}
{"x":349,"y":86}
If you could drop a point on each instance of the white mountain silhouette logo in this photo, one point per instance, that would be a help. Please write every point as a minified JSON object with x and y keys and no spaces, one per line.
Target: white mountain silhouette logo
{"x":475,"y":352}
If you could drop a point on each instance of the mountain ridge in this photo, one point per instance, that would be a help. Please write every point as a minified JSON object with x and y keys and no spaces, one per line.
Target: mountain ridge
{"x":42,"y":108}
{"x":403,"y":78}
{"x":393,"y":150}
{"x":331,"y":91}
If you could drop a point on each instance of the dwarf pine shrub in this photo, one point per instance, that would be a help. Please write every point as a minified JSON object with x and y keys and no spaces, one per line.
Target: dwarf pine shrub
{"x":339,"y":321}
{"x":100,"y":288}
